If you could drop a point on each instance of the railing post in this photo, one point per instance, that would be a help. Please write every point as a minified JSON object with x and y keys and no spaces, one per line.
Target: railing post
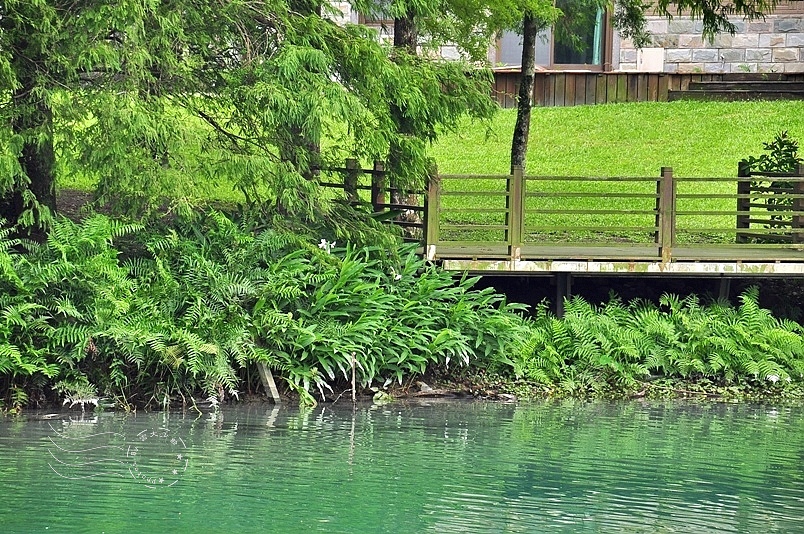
{"x":378,"y":186}
{"x":432,"y":209}
{"x":743,"y":200}
{"x":798,"y":205}
{"x":514,"y":216}
{"x":667,"y":214}
{"x":350,"y":180}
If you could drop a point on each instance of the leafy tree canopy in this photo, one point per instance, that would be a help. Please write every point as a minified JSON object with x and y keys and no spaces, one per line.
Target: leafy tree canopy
{"x":150,"y":97}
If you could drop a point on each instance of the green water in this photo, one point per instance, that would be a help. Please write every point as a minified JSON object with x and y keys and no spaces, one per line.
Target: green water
{"x":429,"y":467}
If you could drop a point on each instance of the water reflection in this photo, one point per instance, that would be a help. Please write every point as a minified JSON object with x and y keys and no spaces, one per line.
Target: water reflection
{"x":437,"y":466}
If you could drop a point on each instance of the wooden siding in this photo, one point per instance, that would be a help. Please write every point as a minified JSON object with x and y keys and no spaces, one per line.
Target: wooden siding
{"x":558,"y":88}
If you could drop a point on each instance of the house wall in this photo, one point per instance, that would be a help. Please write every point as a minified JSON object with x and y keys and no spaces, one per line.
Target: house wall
{"x":775,"y":44}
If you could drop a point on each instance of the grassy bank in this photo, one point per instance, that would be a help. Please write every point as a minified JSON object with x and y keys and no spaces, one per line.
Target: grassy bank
{"x":697,"y":139}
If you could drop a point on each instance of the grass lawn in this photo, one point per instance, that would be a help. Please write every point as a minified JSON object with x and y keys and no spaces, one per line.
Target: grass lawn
{"x":696,"y":139}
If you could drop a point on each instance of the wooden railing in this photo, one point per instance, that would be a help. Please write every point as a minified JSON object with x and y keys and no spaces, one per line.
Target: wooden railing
{"x":660,"y":219}
{"x":370,"y":187}
{"x":771,"y":206}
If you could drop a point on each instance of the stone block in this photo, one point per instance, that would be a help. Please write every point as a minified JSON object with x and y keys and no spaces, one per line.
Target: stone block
{"x":666,"y":40}
{"x":678,"y":56}
{"x":690,"y":41}
{"x":715,"y":67}
{"x":788,"y":24}
{"x":671,"y":68}
{"x":770,"y":67}
{"x":795,"y":40}
{"x":758,"y":54}
{"x":794,"y":67}
{"x":705,"y":55}
{"x":690,"y":68}
{"x":768,"y":40}
{"x":785,"y":54}
{"x":626,"y":43}
{"x":743,"y":67}
{"x":626,"y":67}
{"x":759,"y":27}
{"x":628,"y":56}
{"x":657,"y":26}
{"x":739,"y":25}
{"x":723,"y":40}
{"x":732,"y":55}
{"x":684,"y":25}
{"x":750,"y":40}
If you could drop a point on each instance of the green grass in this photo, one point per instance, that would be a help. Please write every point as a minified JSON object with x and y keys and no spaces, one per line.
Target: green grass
{"x":696,"y":139}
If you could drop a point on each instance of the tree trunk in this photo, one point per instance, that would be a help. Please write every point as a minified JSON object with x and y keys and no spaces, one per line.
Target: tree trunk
{"x":34,"y":122}
{"x":405,"y":35}
{"x":519,"y":144}
{"x":405,"y":38}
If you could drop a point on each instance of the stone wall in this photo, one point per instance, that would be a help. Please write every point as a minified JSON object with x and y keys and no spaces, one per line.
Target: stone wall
{"x":775,"y":44}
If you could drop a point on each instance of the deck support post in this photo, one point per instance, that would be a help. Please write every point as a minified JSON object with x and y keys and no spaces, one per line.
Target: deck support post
{"x":725,"y":289}
{"x":667,"y":214}
{"x":563,"y":291}
{"x":432,"y":207}
{"x":378,"y":186}
{"x":350,"y":180}
{"x":514,"y":216}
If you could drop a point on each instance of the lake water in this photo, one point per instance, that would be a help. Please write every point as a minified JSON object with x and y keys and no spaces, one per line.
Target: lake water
{"x":441,"y":467}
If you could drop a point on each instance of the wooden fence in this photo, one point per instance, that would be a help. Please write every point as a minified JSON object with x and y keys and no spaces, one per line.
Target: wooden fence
{"x":749,"y":225}
{"x":663,"y":224}
{"x":557,"y":88}
{"x":371,"y":187}
{"x":770,"y":206}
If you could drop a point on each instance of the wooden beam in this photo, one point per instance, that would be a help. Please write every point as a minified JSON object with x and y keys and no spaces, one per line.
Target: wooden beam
{"x":613,"y":268}
{"x":267,"y":379}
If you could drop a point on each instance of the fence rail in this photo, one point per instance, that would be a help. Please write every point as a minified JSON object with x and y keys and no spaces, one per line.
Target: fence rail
{"x":392,"y":205}
{"x":621,"y":223}
{"x":749,"y":225}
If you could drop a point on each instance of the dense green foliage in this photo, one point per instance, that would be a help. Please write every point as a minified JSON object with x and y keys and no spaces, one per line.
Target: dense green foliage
{"x":262,"y":92}
{"x":190,"y":310}
{"x":618,"y":347}
{"x":781,"y":155}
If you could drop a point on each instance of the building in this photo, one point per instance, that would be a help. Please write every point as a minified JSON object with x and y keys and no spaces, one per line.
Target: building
{"x":775,"y":44}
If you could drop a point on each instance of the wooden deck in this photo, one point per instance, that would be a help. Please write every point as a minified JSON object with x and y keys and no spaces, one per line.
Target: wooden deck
{"x":659,"y":226}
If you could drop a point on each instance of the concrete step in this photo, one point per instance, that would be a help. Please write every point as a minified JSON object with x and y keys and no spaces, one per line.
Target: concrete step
{"x":734,"y":95}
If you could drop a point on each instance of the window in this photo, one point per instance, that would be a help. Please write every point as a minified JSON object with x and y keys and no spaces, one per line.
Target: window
{"x":581,"y":40}
{"x":578,"y":38}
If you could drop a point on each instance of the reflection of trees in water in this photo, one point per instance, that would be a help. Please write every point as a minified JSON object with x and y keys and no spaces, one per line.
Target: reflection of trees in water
{"x":469,"y":466}
{"x":578,"y":34}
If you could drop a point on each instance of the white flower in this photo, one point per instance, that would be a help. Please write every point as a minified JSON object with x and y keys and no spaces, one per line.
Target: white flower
{"x":773,"y":378}
{"x":326,"y":245}
{"x":397,"y":277}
